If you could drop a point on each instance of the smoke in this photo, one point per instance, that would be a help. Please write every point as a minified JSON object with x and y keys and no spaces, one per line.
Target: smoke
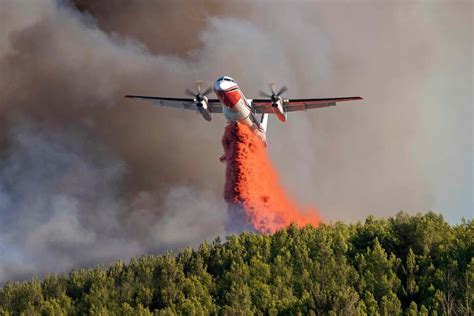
{"x":62,"y":206}
{"x":86,"y":179}
{"x":58,"y":191}
{"x":89,"y":177}
{"x":252,"y":188}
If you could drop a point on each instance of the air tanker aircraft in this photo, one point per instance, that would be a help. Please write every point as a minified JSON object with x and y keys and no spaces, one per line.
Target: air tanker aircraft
{"x":237,"y":108}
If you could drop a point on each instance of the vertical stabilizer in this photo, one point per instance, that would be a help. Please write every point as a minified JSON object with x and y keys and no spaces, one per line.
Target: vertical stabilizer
{"x":263,"y":126}
{"x":264,"y":122}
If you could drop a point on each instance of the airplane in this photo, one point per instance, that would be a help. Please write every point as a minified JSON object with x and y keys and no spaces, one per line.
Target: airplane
{"x":237,"y":108}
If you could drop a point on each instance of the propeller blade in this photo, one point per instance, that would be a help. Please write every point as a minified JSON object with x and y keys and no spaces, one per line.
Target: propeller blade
{"x":190,"y":93}
{"x":271,"y":85}
{"x":198,"y":86}
{"x":282,"y":90}
{"x":264,"y":94}
{"x":208,"y":90}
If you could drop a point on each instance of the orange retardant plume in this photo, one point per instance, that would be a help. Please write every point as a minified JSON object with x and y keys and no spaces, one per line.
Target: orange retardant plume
{"x":252,"y":184}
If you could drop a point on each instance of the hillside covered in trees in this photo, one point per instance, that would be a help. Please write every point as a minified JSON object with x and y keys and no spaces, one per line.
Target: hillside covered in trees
{"x":413,"y":265}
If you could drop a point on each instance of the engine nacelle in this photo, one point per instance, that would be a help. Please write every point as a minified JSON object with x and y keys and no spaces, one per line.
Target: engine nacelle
{"x":203,"y":107}
{"x":278,"y":109}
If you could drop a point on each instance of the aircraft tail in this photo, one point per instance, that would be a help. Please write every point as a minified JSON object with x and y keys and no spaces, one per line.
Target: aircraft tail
{"x":259,"y":126}
{"x":263,"y":126}
{"x":264,"y":122}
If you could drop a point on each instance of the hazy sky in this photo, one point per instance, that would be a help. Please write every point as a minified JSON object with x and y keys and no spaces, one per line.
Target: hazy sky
{"x":87,"y":176}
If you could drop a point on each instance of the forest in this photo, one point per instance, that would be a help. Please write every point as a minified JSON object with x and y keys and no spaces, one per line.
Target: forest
{"x":403,"y":265}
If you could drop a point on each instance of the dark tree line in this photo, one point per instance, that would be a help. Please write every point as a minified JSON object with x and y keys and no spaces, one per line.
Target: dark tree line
{"x":405,"y":265}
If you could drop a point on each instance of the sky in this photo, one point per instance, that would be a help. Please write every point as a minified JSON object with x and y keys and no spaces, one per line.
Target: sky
{"x":87,"y":176}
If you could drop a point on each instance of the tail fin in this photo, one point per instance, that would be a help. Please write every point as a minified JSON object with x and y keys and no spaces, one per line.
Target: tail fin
{"x":263,"y":125}
{"x":264,"y":122}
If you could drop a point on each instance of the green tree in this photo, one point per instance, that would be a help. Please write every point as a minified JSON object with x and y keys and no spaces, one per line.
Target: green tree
{"x":412,"y":309}
{"x":411,"y":268}
{"x":378,"y":271}
{"x":390,"y":305}
{"x":409,"y":264}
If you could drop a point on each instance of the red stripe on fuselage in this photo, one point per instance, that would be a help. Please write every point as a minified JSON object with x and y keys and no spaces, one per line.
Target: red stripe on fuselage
{"x":230,"y":97}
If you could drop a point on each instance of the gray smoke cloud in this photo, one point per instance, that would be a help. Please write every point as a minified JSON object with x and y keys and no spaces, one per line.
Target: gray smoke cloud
{"x":89,"y":177}
{"x":62,"y":205}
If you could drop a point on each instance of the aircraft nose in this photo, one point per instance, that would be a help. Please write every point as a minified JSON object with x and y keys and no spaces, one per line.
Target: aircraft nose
{"x":219,"y":86}
{"x":224,"y":84}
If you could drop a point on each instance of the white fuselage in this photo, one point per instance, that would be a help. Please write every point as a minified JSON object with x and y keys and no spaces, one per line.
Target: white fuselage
{"x":236,"y":107}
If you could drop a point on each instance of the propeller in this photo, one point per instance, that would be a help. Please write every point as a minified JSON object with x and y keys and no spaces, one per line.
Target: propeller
{"x":198,"y":95}
{"x":275,"y":95}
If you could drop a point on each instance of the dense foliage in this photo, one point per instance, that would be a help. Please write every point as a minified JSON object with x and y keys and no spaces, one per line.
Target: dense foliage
{"x":413,"y":265}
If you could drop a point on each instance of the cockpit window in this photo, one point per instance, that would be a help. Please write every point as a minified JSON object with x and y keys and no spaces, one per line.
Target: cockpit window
{"x":226,"y":79}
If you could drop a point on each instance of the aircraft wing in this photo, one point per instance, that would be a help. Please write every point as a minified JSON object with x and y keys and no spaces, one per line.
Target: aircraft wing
{"x":179,"y":103}
{"x":265,"y":105}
